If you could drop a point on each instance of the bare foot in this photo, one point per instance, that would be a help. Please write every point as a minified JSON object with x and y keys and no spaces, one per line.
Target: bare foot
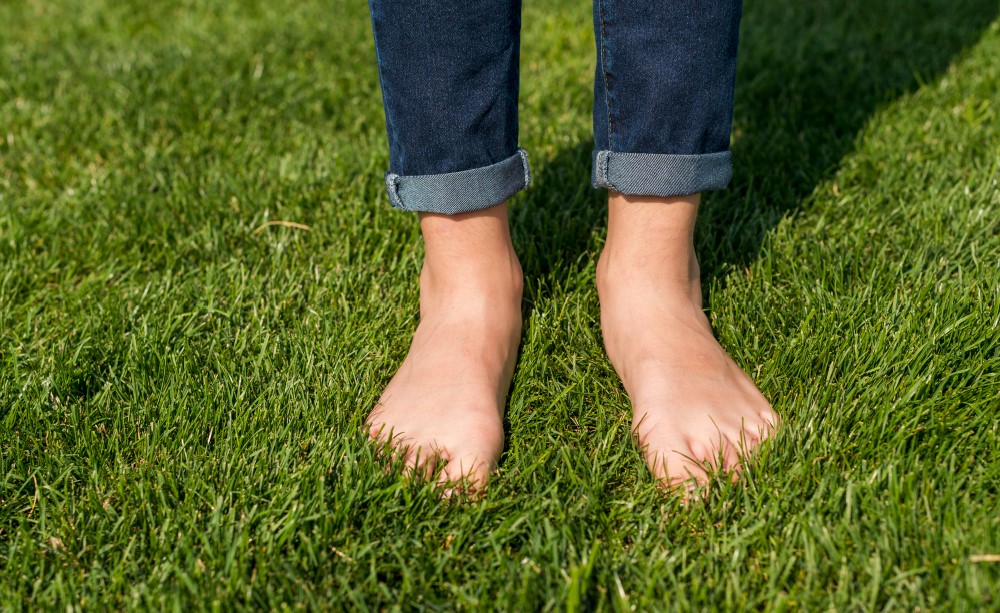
{"x":444,"y":407}
{"x":692,"y":406}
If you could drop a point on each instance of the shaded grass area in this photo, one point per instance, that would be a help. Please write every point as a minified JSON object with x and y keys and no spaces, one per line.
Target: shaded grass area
{"x":182,"y":384}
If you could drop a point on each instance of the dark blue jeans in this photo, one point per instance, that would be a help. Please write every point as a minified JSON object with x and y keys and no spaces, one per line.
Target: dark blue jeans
{"x":663,"y":98}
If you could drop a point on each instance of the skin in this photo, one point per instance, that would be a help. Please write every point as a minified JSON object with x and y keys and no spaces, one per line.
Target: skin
{"x":444,"y":407}
{"x":694,"y":409}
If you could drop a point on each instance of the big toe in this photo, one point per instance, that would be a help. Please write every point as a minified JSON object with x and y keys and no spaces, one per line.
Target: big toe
{"x":420,"y":461}
{"x":676,"y":465}
{"x":465,"y":474}
{"x":686,"y":464}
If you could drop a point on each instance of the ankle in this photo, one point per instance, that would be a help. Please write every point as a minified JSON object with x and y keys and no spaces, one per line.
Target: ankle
{"x":620,"y":282}
{"x":470,"y":253}
{"x":462,"y":282}
{"x":649,"y":252}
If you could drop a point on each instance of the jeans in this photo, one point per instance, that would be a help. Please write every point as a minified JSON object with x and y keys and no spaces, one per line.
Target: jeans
{"x":663,"y":98}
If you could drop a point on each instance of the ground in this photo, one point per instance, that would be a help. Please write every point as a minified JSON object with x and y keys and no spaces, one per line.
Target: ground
{"x":203,"y":289}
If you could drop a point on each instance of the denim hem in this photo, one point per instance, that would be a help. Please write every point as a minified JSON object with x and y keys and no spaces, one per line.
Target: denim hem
{"x":463,"y":191}
{"x":661,"y":174}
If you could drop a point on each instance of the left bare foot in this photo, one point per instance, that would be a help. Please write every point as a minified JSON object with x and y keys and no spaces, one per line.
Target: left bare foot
{"x":692,"y":406}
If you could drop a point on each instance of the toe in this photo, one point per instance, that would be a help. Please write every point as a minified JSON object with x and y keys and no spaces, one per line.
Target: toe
{"x":747,"y":439}
{"x":384,"y":445}
{"x":733,"y":450}
{"x":421,"y":462}
{"x":770,"y":422}
{"x":676,"y":469}
{"x":374,"y":418}
{"x":744,"y":438}
{"x":378,"y":432}
{"x":683,"y":476}
{"x":464,"y":474}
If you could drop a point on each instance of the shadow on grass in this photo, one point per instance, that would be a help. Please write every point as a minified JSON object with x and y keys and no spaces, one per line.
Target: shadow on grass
{"x":810,"y":75}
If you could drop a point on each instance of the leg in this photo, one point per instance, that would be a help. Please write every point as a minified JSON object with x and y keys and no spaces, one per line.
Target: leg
{"x":662,"y":118}
{"x":449,"y":84}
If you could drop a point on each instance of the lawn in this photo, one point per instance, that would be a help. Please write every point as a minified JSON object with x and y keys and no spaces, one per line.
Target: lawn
{"x":203,"y":289}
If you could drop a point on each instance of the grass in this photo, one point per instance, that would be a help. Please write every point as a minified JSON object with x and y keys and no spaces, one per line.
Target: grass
{"x":182,"y":381}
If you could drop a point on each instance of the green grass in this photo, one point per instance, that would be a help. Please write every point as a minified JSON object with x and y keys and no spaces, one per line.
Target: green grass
{"x":182,"y":386}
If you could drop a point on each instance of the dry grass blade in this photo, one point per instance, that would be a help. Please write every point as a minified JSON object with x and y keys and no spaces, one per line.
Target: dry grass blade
{"x":287,"y":224}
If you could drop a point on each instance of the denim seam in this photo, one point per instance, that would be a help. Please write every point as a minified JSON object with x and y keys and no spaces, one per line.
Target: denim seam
{"x":527,"y":168}
{"x":604,"y":73}
{"x":602,"y":170}
{"x":391,"y":186}
{"x":378,"y":63}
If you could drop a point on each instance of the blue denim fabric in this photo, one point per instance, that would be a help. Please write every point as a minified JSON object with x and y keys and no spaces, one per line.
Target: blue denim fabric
{"x":663,"y":98}
{"x":663,"y":94}
{"x":462,"y":191}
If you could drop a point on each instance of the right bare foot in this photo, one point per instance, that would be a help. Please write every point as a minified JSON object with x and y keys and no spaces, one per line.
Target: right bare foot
{"x":444,"y":407}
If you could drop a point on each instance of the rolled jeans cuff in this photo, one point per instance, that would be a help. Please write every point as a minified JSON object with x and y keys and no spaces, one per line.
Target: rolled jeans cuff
{"x":661,"y":174}
{"x":463,"y":191}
